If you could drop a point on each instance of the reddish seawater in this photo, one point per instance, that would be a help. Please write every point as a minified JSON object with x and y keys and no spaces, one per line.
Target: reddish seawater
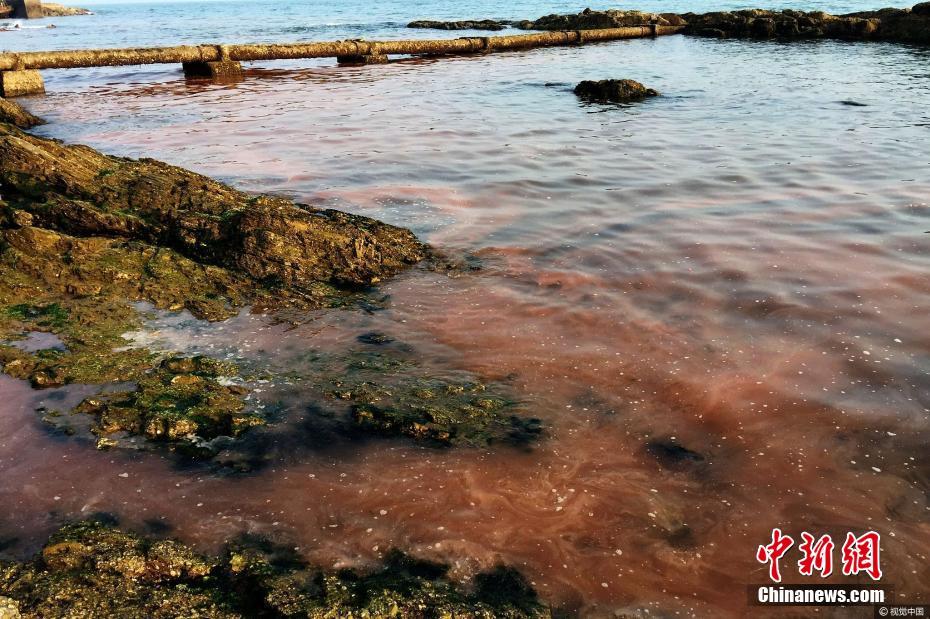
{"x":741,"y":265}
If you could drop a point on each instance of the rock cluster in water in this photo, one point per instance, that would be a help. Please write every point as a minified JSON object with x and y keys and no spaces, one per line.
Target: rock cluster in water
{"x":596,"y":20}
{"x":476,"y":24}
{"x":904,"y":25}
{"x":83,"y":236}
{"x":93,"y":570}
{"x":613,"y":91}
{"x":49,"y":9}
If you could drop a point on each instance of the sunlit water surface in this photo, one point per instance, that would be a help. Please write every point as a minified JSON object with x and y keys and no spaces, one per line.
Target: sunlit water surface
{"x":740,"y":264}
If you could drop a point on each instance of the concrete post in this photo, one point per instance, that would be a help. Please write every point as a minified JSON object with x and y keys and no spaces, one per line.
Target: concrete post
{"x":363,"y":59}
{"x":27,"y":9}
{"x":19,"y":83}
{"x":223,"y":69}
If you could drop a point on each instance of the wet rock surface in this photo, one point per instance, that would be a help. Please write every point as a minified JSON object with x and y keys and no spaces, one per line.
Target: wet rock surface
{"x":613,"y":91}
{"x":77,"y":191}
{"x":761,"y":24}
{"x":90,"y":569}
{"x":475,"y":24}
{"x":84,"y":236}
{"x":594,"y":20}
{"x":12,"y":113}
{"x":903,"y":25}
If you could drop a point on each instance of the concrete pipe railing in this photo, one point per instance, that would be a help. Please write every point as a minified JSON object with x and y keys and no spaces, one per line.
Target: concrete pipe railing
{"x":19,"y":71}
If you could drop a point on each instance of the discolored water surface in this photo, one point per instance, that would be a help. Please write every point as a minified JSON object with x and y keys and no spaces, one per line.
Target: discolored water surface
{"x":715,"y":300}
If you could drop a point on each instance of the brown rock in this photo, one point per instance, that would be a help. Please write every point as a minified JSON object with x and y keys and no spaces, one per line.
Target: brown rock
{"x":596,"y":20}
{"x":613,"y":91}
{"x":14,"y":114}
{"x":477,"y":24}
{"x":52,"y":9}
{"x":78,"y":191}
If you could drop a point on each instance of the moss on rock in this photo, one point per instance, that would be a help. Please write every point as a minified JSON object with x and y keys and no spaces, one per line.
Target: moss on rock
{"x":91,"y":570}
{"x":83,"y":236}
{"x":436,"y":410}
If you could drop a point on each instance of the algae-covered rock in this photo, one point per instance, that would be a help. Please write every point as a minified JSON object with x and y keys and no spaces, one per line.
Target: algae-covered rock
{"x":597,"y":20}
{"x":902,"y":25}
{"x":180,"y":401}
{"x":83,"y":236}
{"x":787,"y":24}
{"x":77,"y":191}
{"x":9,"y":608}
{"x":91,"y":570}
{"x":472,"y":24}
{"x":14,"y":114}
{"x":387,"y":391}
{"x":613,"y":91}
{"x":438,"y":411}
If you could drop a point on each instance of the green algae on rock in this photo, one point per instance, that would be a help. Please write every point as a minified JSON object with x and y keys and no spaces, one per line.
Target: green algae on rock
{"x":83,"y":236}
{"x":444,"y":412}
{"x":77,"y":191}
{"x":384,"y":389}
{"x":92,"y":570}
{"x":183,"y":399}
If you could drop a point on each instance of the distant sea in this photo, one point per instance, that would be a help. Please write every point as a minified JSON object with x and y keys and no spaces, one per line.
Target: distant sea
{"x":173,"y":23}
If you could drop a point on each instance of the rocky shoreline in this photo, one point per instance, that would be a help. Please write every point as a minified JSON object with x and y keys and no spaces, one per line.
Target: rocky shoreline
{"x":47,"y":9}
{"x":85,"y":236}
{"x":93,"y":569}
{"x":891,"y":24}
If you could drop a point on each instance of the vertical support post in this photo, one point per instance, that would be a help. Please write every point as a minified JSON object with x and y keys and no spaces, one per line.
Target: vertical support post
{"x":20,"y":81}
{"x":27,"y":9}
{"x":224,"y":69}
{"x":362,"y":59}
{"x":365,"y":53}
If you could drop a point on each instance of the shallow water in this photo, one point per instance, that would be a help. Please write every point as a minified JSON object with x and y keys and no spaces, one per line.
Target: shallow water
{"x":740,"y":265}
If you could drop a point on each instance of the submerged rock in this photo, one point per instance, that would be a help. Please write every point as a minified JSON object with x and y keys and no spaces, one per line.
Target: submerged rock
{"x":673,"y":455}
{"x":475,"y":24}
{"x":613,"y":91}
{"x":93,"y":570}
